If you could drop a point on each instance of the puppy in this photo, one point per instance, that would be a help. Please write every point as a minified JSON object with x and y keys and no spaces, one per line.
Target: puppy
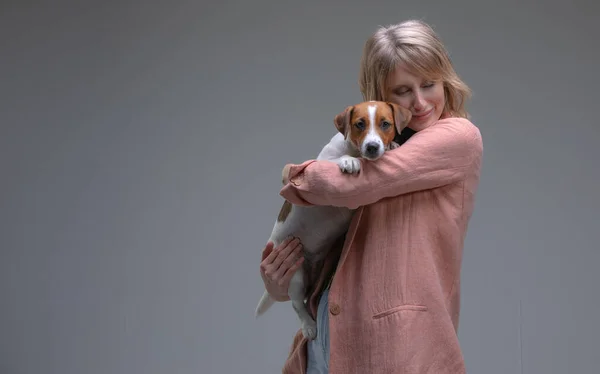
{"x":365,"y":130}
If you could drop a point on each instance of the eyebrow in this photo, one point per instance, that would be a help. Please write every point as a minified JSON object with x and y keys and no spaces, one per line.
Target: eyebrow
{"x":426,"y":81}
{"x":394,"y":88}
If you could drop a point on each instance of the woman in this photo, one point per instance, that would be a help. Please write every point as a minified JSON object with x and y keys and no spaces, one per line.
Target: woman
{"x":393,"y":305}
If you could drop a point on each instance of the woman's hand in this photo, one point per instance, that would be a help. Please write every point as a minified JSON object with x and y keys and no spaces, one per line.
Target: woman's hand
{"x":278,"y":265}
{"x":285,"y":173}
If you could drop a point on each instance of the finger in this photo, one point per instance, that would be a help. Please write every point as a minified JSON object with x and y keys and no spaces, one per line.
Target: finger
{"x":288,"y":262}
{"x":267,"y":250}
{"x":293,"y":256}
{"x":285,"y":252}
{"x":268,"y":265}
{"x":283,"y":244}
{"x":275,"y":250}
{"x":287,"y":277}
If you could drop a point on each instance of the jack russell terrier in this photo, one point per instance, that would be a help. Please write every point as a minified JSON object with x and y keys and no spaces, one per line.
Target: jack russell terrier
{"x":366,"y":130}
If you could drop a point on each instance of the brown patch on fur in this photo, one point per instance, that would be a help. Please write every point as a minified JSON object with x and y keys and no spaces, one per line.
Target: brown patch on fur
{"x":360,"y":123}
{"x":401,"y":116}
{"x":286,"y":208}
{"x":342,"y":120}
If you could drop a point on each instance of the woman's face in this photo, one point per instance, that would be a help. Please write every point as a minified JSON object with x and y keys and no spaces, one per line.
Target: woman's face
{"x":425,"y":99}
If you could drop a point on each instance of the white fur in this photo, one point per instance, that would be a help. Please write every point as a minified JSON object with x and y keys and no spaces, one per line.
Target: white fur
{"x":372,"y":137}
{"x":318,"y":227}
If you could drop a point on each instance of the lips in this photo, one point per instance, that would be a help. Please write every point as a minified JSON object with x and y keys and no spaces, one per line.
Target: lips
{"x":422,"y":115}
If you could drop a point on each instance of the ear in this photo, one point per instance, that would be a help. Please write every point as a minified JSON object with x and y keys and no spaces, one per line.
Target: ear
{"x":342,"y":120}
{"x":402,"y":116}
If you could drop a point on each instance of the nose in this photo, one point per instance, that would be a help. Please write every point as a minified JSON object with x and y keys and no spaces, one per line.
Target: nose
{"x":419,"y":102}
{"x":372,"y":148}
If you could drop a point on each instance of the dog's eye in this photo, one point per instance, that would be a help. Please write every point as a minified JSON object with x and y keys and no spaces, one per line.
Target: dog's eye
{"x":360,"y":124}
{"x":385,"y":125}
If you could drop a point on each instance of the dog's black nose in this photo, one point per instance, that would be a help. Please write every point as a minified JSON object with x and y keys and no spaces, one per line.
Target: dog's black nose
{"x":372,"y":148}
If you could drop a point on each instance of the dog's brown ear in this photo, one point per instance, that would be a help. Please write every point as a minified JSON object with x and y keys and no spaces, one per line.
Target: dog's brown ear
{"x":402,"y":116}
{"x":342,"y":120}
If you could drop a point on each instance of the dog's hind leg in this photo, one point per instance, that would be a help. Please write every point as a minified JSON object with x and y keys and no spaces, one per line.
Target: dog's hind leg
{"x":297,"y":292}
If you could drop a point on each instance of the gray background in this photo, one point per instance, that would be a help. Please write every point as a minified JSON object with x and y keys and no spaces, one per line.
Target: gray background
{"x":141,"y":149}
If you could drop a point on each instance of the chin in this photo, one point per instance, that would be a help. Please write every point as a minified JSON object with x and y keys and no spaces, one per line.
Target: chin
{"x":426,"y":121}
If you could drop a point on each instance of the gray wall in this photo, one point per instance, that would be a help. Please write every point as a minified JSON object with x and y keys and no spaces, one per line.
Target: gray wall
{"x":141,"y":148}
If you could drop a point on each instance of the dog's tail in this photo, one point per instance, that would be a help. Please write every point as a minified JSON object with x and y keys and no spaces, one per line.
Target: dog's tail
{"x":265,"y":303}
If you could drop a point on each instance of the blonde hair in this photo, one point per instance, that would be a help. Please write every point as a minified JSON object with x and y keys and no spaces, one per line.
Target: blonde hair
{"x":415,"y":44}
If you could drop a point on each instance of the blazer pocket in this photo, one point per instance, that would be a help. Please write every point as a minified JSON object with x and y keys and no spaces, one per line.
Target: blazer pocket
{"x":399,"y":308}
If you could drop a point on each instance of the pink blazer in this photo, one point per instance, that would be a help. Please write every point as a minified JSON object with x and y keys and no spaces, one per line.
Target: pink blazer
{"x":394,"y":301}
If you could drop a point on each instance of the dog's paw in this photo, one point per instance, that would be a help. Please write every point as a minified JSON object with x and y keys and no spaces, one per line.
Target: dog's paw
{"x":349,"y":164}
{"x":394,"y":145}
{"x":309,"y":329}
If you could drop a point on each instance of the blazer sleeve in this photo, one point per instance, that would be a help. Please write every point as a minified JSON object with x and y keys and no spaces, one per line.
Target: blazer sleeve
{"x":444,"y":153}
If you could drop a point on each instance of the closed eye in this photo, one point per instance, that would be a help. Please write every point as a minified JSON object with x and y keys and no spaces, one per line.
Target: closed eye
{"x":403,"y":91}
